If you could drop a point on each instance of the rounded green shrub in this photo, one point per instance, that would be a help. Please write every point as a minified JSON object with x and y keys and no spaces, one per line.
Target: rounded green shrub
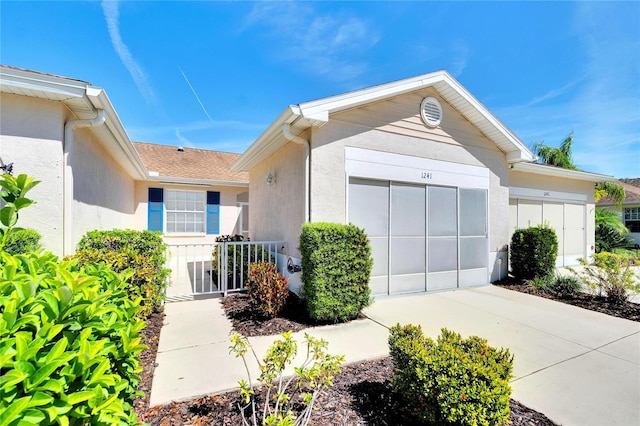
{"x":267,"y":289}
{"x":22,"y":240}
{"x":69,"y":343}
{"x":142,"y":252}
{"x":336,"y":268}
{"x":451,"y":381}
{"x":533,"y":252}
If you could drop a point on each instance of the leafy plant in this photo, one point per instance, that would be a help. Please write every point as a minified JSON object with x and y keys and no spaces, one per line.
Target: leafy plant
{"x":533,"y":252}
{"x":267,"y":289}
{"x":142,"y":252}
{"x":336,"y":268}
{"x":453,"y":380}
{"x":610,"y":275}
{"x":22,"y":240}
{"x":13,"y":194}
{"x":542,"y":283}
{"x":282,"y":394}
{"x":69,"y":343}
{"x":610,"y":232}
{"x":239,"y":257}
{"x":566,"y":284}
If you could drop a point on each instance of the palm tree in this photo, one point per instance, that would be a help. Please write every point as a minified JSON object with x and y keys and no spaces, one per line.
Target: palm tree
{"x":560,"y":157}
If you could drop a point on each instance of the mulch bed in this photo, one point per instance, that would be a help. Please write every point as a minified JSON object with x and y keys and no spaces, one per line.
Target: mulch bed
{"x":627,"y":310}
{"x":361,"y":395}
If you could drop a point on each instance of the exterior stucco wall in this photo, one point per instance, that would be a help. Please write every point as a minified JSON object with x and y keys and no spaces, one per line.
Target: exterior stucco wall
{"x":549,"y":183}
{"x":31,"y":133}
{"x":103,"y":192}
{"x":277,"y":211}
{"x":456,"y":141}
{"x":229,"y":210}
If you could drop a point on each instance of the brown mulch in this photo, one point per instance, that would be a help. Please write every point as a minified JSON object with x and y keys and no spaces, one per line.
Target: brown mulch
{"x":361,"y":395}
{"x":627,"y":310}
{"x":151,"y":338}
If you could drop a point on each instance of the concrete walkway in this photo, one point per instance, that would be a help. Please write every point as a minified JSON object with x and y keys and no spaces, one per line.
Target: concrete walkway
{"x":576,"y":366}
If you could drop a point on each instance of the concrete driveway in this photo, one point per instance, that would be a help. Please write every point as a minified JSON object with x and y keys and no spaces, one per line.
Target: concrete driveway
{"x":576,"y":366}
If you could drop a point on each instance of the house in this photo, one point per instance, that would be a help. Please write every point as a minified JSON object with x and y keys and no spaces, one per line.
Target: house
{"x":67,"y":134}
{"x":629,"y":212}
{"x":438,"y":182}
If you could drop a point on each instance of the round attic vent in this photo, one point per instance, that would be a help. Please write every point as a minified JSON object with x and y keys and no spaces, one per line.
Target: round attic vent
{"x":431,"y":111}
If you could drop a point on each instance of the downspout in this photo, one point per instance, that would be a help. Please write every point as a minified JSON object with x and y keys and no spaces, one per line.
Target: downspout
{"x":286,"y":131}
{"x":67,"y":176}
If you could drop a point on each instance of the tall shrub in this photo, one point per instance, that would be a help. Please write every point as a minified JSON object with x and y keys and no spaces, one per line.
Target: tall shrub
{"x":267,"y":289}
{"x":143,"y":252}
{"x":533,"y":252}
{"x":453,"y":380}
{"x":336,"y":267}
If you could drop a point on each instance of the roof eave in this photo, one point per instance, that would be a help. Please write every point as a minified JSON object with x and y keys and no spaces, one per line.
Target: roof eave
{"x":546,"y":170}
{"x":177,"y":180}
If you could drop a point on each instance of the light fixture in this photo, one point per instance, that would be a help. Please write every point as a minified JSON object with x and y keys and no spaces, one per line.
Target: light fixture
{"x":270,"y":179}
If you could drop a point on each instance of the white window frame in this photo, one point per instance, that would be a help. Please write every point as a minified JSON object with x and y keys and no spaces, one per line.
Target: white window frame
{"x":189,"y":219}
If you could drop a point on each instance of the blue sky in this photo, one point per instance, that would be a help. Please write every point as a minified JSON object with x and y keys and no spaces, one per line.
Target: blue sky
{"x":215,"y":74}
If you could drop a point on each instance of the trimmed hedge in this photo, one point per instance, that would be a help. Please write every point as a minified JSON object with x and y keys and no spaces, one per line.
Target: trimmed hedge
{"x":533,"y":252}
{"x":451,"y":381}
{"x":69,"y":343}
{"x":22,"y":240}
{"x":143,"y":252}
{"x":336,"y":268}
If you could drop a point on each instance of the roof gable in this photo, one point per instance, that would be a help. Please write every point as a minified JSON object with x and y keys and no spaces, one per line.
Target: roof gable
{"x":317,"y":113}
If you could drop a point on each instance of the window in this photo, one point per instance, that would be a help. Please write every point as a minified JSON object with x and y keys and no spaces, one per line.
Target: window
{"x":177,"y":211}
{"x":632,"y":218}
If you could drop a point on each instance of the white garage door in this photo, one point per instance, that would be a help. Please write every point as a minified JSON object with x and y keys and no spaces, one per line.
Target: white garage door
{"x":423,"y":237}
{"x":567,"y":219}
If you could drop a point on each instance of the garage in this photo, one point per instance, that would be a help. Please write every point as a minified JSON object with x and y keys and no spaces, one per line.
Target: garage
{"x":424,"y":237}
{"x":566,"y":215}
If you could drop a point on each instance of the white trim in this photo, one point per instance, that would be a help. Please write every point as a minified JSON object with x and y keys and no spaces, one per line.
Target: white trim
{"x":370,"y":164}
{"x":171,"y":180}
{"x":541,"y":194}
{"x":544,"y":169}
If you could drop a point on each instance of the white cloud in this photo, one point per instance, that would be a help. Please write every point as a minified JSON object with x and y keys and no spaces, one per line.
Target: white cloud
{"x":183,"y":141}
{"x":331,"y":45}
{"x":460,"y":55}
{"x":112,"y":14}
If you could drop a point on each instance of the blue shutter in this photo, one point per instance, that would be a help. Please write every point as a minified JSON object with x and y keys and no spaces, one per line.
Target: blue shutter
{"x":213,"y":212}
{"x":156,"y":202}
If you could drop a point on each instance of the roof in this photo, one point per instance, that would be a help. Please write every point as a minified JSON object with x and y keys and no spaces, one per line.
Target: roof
{"x":316,"y":113}
{"x":169,"y":164}
{"x":555,"y":171}
{"x":631,"y":191}
{"x":84,"y":101}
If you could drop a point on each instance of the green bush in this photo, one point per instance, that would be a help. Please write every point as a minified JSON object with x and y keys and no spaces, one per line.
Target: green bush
{"x":533,"y":252}
{"x":541,"y":283}
{"x":566,"y":284}
{"x":143,"y":252}
{"x":22,"y":240}
{"x":451,"y":381}
{"x":69,"y":343}
{"x":610,"y":275}
{"x":336,"y":267}
{"x":239,"y":257}
{"x":267,"y":289}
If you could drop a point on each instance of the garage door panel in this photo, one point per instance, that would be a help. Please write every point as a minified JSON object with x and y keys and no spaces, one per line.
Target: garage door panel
{"x":473,"y":252}
{"x":553,"y":215}
{"x":473,"y":277}
{"x":443,"y":254}
{"x":407,"y":283}
{"x":380,"y":254}
{"x":443,"y":218}
{"x":529,"y":213}
{"x":408,"y":208}
{"x":407,"y":256}
{"x":442,"y":280}
{"x":369,"y":206}
{"x":379,"y":285}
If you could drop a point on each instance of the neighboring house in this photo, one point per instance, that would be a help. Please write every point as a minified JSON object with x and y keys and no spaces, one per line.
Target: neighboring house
{"x":629,"y":212}
{"x":67,"y":134}
{"x":436,"y":180}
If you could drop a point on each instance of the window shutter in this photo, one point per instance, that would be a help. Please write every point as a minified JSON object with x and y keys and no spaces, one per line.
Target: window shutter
{"x":213,"y":212}
{"x":156,"y":202}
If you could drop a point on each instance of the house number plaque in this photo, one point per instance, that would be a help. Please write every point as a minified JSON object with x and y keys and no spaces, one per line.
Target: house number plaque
{"x":426,"y":175}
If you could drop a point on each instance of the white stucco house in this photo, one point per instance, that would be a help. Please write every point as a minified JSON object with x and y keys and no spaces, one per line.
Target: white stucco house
{"x":67,"y":134}
{"x":438,"y":182}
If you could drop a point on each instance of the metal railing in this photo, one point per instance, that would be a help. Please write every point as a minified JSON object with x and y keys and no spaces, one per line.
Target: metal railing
{"x":205,"y":269}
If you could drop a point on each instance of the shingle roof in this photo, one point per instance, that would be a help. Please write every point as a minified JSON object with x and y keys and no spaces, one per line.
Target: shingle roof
{"x":191,"y":163}
{"x":631,"y":189}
